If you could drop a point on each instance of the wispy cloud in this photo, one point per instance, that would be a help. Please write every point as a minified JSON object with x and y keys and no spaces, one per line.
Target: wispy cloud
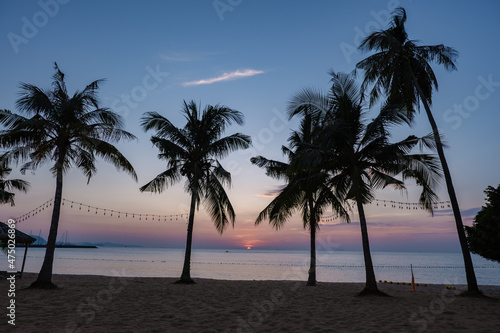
{"x":267,"y":195}
{"x":272,"y":193}
{"x":331,"y":224}
{"x":238,"y":74}
{"x":466,"y":213}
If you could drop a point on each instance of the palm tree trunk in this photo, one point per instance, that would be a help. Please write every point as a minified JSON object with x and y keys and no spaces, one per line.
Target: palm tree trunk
{"x":371,"y":283}
{"x":469,"y":267}
{"x":44,"y":279}
{"x":186,"y":270}
{"x":312,"y":266}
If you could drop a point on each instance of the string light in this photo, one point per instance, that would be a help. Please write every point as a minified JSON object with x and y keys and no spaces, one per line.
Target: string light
{"x":171,"y":217}
{"x":410,"y":205}
{"x":393,"y":204}
{"x":113,"y":213}
{"x":38,"y":209}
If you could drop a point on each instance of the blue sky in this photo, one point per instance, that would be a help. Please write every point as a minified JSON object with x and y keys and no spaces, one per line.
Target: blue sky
{"x":252,"y":56}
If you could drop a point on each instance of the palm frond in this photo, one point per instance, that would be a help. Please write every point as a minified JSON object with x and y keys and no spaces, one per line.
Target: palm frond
{"x":7,"y":185}
{"x":222,"y":147}
{"x":85,"y":161}
{"x":33,"y":100}
{"x":162,"y":181}
{"x":111,"y":154}
{"x":164,"y":128}
{"x":380,"y":180}
{"x":218,"y":205}
{"x":103,"y":117}
{"x":274,"y":169}
{"x":168,"y":149}
{"x":308,"y":101}
{"x":222,"y":174}
{"x":282,"y":207}
{"x":427,"y":172}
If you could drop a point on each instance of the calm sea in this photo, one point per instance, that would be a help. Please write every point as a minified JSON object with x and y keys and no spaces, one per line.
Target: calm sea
{"x":337,"y":266}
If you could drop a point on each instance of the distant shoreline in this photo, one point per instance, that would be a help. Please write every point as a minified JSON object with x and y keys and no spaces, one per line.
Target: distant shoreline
{"x":68,"y":246}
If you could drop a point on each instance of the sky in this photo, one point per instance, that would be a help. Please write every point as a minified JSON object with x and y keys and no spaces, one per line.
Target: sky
{"x":252,"y":56}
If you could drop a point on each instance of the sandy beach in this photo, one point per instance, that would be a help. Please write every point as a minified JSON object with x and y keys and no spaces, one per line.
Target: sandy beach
{"x":129,"y":304}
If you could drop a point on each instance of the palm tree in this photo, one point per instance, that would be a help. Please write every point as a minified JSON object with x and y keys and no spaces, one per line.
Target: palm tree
{"x":361,"y":159}
{"x":68,"y":130}
{"x":7,"y":185}
{"x":305,"y":190}
{"x":401,"y":70}
{"x":193,"y":152}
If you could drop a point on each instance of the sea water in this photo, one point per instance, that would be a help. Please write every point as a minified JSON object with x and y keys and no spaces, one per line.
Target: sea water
{"x":332,"y":266}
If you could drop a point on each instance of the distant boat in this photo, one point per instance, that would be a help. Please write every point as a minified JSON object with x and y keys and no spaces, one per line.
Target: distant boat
{"x":64,"y":239}
{"x":64,"y":243}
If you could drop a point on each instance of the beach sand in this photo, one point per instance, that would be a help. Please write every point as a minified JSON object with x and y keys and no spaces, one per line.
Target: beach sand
{"x":127,"y":304}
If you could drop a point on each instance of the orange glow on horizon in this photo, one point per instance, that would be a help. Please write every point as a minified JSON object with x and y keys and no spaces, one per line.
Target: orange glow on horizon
{"x":250,"y":244}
